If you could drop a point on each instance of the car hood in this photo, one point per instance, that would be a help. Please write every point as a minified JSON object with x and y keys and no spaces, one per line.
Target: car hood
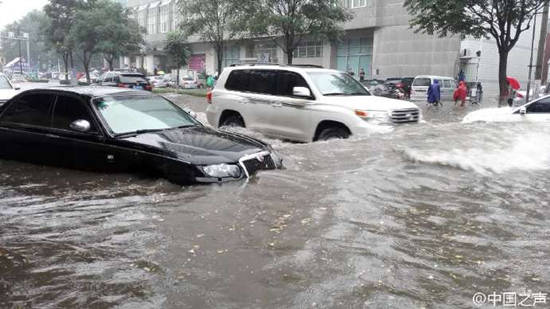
{"x":488,"y":114}
{"x":373,"y":103}
{"x":200,"y":145}
{"x":6,"y":94}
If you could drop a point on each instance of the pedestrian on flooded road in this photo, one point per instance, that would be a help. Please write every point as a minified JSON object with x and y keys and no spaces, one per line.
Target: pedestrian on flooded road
{"x":460,"y":94}
{"x":361,"y":75}
{"x":210,"y":82}
{"x":434,"y":93}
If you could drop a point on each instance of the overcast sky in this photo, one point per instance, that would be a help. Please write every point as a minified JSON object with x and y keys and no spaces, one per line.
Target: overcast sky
{"x":12,"y":10}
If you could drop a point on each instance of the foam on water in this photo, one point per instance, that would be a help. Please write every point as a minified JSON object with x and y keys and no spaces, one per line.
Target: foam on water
{"x":525,"y":152}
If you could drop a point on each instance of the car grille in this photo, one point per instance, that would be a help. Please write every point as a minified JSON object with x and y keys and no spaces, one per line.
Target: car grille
{"x":256,"y":162}
{"x":405,"y":115}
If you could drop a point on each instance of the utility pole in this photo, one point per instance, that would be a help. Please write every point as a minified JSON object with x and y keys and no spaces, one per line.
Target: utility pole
{"x":542,"y":44}
{"x":531,"y":61}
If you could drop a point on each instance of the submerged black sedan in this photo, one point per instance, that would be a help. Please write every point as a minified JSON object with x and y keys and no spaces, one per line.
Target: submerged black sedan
{"x":121,"y":130}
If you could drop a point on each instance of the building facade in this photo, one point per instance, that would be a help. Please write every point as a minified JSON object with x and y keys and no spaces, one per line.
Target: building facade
{"x":378,"y":40}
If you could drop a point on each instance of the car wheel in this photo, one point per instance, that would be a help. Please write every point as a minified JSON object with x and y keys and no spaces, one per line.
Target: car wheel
{"x":233,"y":120}
{"x":333,"y":133}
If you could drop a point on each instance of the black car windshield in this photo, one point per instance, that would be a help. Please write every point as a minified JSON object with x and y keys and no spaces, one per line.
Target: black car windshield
{"x":140,"y":113}
{"x":337,"y":84}
{"x":4,"y":84}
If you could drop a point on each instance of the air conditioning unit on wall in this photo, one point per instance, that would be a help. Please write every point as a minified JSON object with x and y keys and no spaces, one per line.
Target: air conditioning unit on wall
{"x":467,"y":52}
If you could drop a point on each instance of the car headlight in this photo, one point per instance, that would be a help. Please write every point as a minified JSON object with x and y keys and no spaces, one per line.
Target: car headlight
{"x":222,"y":170}
{"x":373,"y":115}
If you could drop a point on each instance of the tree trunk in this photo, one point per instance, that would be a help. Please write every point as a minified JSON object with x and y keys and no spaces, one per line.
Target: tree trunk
{"x":110,"y":61}
{"x":66,"y":64}
{"x":219,"y":54}
{"x":502,"y":80}
{"x":178,"y":76}
{"x":289,"y":57}
{"x":86,"y":63}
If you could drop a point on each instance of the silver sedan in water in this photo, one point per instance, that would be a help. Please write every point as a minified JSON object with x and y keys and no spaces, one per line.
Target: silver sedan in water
{"x":534,"y":111}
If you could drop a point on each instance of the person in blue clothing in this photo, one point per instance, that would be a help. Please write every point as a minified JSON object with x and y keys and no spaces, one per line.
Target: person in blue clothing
{"x":434,"y":93}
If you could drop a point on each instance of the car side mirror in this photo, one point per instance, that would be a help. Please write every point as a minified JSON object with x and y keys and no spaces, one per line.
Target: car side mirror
{"x":80,"y":125}
{"x":301,"y":92}
{"x":523,"y":110}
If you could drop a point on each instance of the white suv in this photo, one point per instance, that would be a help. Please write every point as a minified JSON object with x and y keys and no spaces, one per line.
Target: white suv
{"x":302,"y":104}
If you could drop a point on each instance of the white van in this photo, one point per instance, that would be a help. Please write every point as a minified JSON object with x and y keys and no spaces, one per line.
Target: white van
{"x":421,"y":83}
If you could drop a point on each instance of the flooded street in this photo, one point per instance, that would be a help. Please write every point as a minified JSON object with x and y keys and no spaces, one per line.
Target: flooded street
{"x":423,"y":217}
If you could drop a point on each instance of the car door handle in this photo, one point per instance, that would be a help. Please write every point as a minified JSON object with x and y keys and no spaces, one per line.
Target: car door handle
{"x":52,"y":135}
{"x":277,"y":104}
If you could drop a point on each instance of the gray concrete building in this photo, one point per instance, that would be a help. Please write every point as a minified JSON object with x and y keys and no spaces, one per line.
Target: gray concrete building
{"x":378,"y":40}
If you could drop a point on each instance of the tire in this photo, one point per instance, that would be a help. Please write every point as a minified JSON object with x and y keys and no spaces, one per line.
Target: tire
{"x":333,"y":133}
{"x":233,"y":120}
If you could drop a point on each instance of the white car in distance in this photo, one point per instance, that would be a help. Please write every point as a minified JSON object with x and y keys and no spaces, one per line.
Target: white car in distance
{"x":302,"y":103}
{"x":535,"y":111}
{"x":7,"y":90}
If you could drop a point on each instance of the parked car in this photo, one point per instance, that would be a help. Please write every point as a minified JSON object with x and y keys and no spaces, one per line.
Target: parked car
{"x":94,"y":77}
{"x":125,"y":80}
{"x":190,"y":82}
{"x":420,"y":85}
{"x":160,"y":81}
{"x":109,"y":129}
{"x":370,"y":83}
{"x":301,"y":103}
{"x":7,"y":90}
{"x":537,"y":110}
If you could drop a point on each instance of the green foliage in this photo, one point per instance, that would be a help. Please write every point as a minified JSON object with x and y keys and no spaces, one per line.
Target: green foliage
{"x":504,"y":20}
{"x":293,"y":20}
{"x":118,"y":32}
{"x":178,"y":48}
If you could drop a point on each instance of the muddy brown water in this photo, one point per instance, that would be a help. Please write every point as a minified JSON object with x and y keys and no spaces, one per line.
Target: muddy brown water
{"x":423,"y":217}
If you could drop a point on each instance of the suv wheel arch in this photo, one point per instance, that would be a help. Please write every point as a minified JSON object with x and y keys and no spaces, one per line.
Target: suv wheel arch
{"x":231,"y":118}
{"x":328,"y":129}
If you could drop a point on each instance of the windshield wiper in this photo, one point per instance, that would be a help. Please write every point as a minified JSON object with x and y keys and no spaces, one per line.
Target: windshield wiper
{"x":138,"y":132}
{"x":334,"y":94}
{"x":345,"y":94}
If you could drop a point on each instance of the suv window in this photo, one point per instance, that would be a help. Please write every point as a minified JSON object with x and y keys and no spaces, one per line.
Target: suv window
{"x":541,"y":106}
{"x":423,"y":82}
{"x":131,"y":79}
{"x":30,"y":109}
{"x":286,"y":82}
{"x":238,"y":80}
{"x":67,"y":110}
{"x":263,"y":81}
{"x":447,"y":83}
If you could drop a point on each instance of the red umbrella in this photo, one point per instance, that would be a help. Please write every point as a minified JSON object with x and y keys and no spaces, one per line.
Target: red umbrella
{"x":514,"y":83}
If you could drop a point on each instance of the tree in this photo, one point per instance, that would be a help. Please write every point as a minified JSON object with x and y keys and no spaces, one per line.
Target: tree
{"x":90,"y":28}
{"x":61,"y":14}
{"x":504,"y":20}
{"x":178,"y":48}
{"x":212,"y":20}
{"x":294,"y":20}
{"x":119,"y":33}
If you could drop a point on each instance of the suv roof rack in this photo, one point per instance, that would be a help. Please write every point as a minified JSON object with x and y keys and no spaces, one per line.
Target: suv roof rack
{"x":277,"y":64}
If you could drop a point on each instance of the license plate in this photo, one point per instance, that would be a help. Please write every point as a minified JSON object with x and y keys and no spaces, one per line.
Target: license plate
{"x":138,"y":87}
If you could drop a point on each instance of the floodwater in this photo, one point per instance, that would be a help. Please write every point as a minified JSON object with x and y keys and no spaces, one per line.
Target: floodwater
{"x":423,"y":217}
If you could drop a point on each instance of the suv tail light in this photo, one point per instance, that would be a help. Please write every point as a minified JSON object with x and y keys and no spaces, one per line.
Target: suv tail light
{"x":123,"y":85}
{"x":149,"y":87}
{"x":209,"y":97}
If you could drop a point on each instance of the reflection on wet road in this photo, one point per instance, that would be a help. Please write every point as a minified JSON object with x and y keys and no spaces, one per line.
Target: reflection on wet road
{"x":425,"y":216}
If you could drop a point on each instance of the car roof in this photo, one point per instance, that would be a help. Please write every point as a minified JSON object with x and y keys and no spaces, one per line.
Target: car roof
{"x":296,"y":68}
{"x":90,"y":91}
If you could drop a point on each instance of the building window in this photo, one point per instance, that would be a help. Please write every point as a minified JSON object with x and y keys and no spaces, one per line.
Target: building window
{"x":164,"y":18}
{"x":231,"y":55}
{"x":353,"y":4}
{"x":175,"y":17}
{"x":152,"y":21}
{"x":266,"y":53}
{"x":142,"y":18}
{"x":312,"y":49}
